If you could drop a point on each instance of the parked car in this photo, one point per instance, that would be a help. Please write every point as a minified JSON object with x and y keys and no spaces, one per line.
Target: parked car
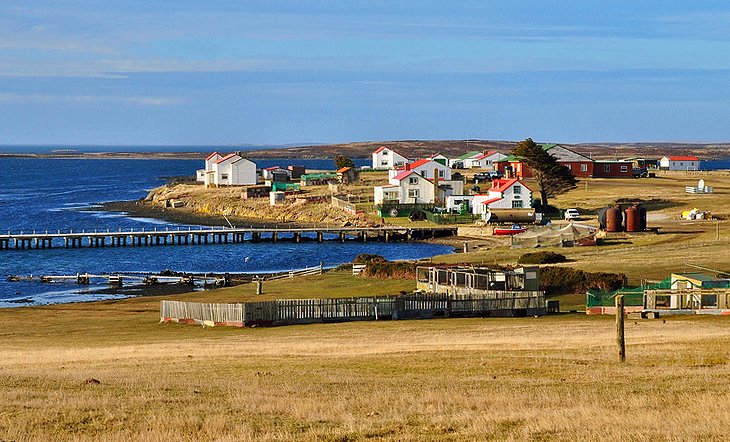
{"x":485,"y":177}
{"x":640,"y":172}
{"x":482,"y":177}
{"x":495,"y":174}
{"x":571,"y":214}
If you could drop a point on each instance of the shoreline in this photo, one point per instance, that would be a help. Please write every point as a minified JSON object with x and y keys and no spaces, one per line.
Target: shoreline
{"x":142,"y":209}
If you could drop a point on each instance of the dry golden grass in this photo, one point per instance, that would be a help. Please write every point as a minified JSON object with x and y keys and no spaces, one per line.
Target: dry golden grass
{"x":551,"y":378}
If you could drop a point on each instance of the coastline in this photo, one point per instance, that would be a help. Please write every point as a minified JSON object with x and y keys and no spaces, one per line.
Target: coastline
{"x":143,"y":209}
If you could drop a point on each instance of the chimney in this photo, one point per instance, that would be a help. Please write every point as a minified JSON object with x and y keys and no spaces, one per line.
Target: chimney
{"x":435,"y":186}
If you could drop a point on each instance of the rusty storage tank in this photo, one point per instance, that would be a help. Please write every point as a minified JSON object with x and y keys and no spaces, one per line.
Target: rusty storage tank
{"x":632,"y":219}
{"x":614,"y":219}
{"x":642,"y":217}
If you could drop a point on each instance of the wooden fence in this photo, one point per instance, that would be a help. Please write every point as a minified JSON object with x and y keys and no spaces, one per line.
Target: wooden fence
{"x":316,"y":270}
{"x":205,"y":314}
{"x":307,"y":311}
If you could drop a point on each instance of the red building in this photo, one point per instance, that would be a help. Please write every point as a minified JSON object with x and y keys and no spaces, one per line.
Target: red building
{"x":580,"y":165}
{"x":613,"y":169}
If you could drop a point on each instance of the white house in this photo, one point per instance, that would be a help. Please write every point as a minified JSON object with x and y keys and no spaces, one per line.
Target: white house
{"x":455,"y":203}
{"x":506,"y":193}
{"x":410,"y":187}
{"x":679,"y":163}
{"x":463,"y":161}
{"x":440,"y":158}
{"x":268,"y":173}
{"x":209,"y":161}
{"x":485,"y":160}
{"x":425,"y":168}
{"x":229,"y":170}
{"x":386,"y":158}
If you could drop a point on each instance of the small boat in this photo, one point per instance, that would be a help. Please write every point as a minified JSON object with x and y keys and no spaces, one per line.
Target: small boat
{"x":514,"y":230}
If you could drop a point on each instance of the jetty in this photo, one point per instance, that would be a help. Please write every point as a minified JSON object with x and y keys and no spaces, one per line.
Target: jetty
{"x":71,"y":239}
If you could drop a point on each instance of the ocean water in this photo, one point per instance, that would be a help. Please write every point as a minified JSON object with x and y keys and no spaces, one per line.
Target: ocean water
{"x":52,"y":194}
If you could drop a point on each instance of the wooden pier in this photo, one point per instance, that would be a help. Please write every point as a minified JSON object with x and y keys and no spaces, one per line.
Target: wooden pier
{"x":219,"y":235}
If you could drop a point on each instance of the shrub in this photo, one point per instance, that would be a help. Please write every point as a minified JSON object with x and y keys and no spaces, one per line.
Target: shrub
{"x":366,"y":258}
{"x":389,"y":270}
{"x":561,"y":280}
{"x":542,"y":258}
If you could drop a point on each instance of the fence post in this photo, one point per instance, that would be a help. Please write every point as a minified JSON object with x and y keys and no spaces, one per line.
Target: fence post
{"x":259,"y":286}
{"x":620,"y":328}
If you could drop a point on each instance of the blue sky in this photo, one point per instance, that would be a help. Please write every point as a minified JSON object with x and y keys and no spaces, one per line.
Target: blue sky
{"x":276,"y":72}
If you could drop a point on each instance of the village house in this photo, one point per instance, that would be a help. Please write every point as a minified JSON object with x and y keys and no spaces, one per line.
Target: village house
{"x":484,"y":161}
{"x":680,"y":293}
{"x":411,"y":187}
{"x":348,"y":175}
{"x":296,"y":172}
{"x":274,"y":173}
{"x":229,"y":170}
{"x":679,"y":163}
{"x":459,"y":203}
{"x":425,"y":168}
{"x":505,"y":193}
{"x":461,"y":162}
{"x":580,"y":165}
{"x":440,"y":158}
{"x":386,"y":158}
{"x":612,"y":169}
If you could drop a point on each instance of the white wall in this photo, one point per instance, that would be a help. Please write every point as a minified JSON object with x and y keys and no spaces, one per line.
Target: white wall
{"x":243,"y":172}
{"x":423,"y":186}
{"x":426,"y":170}
{"x":388,"y":159}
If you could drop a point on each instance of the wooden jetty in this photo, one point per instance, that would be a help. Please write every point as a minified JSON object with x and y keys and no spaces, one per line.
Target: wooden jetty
{"x":212,"y":235}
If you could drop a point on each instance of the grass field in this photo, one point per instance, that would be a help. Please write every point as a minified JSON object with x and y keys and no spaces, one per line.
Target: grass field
{"x":110,"y":371}
{"x":547,"y":378}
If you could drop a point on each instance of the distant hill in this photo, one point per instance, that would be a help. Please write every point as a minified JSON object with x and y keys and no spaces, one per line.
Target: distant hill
{"x":454,"y":148}
{"x":411,"y":149}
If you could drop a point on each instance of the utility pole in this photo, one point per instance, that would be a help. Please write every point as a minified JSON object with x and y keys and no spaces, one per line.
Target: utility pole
{"x":620,"y":328}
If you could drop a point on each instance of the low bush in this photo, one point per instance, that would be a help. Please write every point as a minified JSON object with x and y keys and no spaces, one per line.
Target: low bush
{"x":562,"y":280}
{"x":542,"y":258}
{"x":366,"y":258}
{"x":390,"y":270}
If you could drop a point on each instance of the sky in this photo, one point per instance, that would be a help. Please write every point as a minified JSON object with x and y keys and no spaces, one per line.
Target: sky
{"x":213,"y":72}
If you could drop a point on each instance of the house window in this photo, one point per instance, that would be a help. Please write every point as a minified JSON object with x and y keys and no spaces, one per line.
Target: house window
{"x":384,"y":162}
{"x":607,"y":168}
{"x":385,"y":152}
{"x":441,"y":174}
{"x":516,"y":204}
{"x":517,"y":190}
{"x":413,"y":193}
{"x":624,"y":168}
{"x":224,"y":176}
{"x":584,"y":168}
{"x":413,"y":180}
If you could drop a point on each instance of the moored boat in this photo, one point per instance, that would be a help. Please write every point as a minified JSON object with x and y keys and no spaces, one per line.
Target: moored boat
{"x":514,"y":230}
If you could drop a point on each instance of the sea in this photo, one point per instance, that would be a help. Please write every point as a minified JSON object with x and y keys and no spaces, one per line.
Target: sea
{"x":44,"y":194}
